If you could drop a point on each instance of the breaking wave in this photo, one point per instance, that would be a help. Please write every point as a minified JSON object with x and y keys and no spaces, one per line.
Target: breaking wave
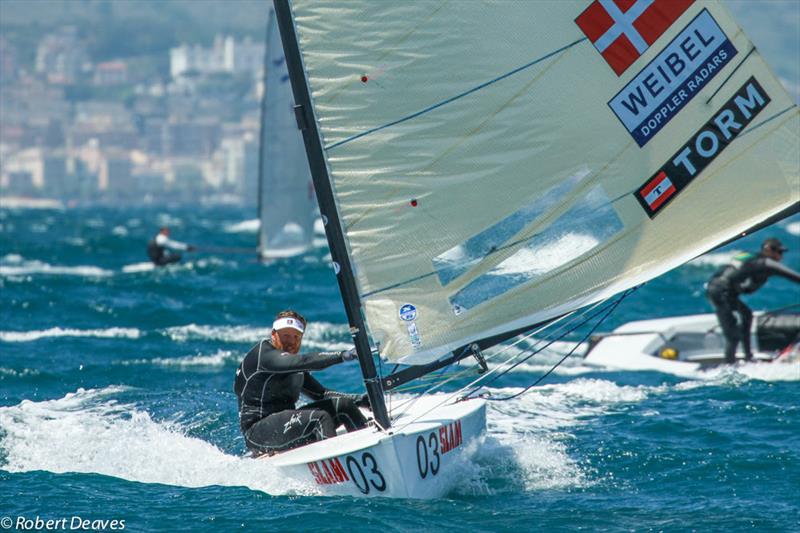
{"x":28,"y":336}
{"x":220,"y":358}
{"x":93,"y":433}
{"x":319,"y":335}
{"x":245,"y":226}
{"x":14,"y":265}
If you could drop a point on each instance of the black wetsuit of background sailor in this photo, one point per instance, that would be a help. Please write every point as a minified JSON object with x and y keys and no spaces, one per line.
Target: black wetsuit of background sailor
{"x":268,"y":384}
{"x":745,"y":274}
{"x":159,"y":255}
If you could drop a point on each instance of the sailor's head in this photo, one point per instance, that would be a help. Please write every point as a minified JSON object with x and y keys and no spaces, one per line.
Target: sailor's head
{"x":164,"y":230}
{"x":773,"y":248}
{"x":287,"y":331}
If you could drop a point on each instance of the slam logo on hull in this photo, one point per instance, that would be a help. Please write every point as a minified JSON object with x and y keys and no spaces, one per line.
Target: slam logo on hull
{"x":704,"y":146}
{"x":675,"y":76}
{"x":450,"y":436}
{"x":328,"y":471}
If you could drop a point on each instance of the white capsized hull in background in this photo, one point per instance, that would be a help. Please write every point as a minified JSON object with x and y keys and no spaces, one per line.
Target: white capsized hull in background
{"x":423,"y":459}
{"x":636,"y":345}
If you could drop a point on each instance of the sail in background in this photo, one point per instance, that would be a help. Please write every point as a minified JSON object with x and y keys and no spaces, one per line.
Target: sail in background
{"x":287,"y":205}
{"x":497,"y":164}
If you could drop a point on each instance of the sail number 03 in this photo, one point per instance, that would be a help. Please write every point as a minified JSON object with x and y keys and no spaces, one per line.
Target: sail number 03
{"x":365,"y":473}
{"x":428,"y":458}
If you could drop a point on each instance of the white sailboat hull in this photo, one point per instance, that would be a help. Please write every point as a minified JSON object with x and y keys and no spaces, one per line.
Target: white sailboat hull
{"x":695,"y":339}
{"x":421,"y":459}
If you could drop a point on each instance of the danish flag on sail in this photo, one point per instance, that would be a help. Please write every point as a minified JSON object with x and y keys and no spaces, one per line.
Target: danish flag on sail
{"x":622,"y":30}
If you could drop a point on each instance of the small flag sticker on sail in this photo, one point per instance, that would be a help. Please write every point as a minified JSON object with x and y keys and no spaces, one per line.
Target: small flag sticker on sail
{"x":700,"y":150}
{"x":658,"y":191}
{"x":622,"y":30}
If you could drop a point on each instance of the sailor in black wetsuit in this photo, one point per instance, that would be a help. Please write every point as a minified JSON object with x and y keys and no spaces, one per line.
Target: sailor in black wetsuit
{"x":157,"y":248}
{"x":745,"y":274}
{"x":268,"y":385}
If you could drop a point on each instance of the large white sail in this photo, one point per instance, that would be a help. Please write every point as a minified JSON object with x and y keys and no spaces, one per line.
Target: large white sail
{"x":496,"y":164}
{"x":287,"y":205}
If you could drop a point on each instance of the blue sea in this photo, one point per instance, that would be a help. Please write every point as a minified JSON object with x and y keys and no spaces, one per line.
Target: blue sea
{"x":116,"y":399}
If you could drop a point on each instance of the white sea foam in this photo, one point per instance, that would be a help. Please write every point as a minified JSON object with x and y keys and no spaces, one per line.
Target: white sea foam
{"x":88,"y":431}
{"x":793,"y":228}
{"x":742,"y":372}
{"x":319,"y":335}
{"x":135,"y":268}
{"x":532,"y":430}
{"x":245,"y":226}
{"x":120,"y":231}
{"x":28,"y":336}
{"x":220,"y":358}
{"x":23,"y":268}
{"x":18,"y":373}
{"x":527,"y":436}
{"x":714,"y":259}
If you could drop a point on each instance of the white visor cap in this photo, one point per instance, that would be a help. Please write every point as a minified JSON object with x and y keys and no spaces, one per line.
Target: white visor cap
{"x":288,"y":322}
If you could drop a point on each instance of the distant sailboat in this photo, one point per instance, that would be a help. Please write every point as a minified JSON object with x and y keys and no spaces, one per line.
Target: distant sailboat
{"x":487,"y":167}
{"x":286,"y":201}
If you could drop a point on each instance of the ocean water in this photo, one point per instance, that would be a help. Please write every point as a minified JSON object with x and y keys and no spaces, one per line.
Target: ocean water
{"x":116,"y":399}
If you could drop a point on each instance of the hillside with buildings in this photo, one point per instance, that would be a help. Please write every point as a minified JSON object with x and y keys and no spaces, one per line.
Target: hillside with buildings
{"x":170,"y":121}
{"x":148,"y":102}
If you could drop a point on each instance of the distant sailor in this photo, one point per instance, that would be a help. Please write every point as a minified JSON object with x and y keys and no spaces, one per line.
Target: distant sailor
{"x":745,"y":274}
{"x":158,"y":245}
{"x":268,"y":385}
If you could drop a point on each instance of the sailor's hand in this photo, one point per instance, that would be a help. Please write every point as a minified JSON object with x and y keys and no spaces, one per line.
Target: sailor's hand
{"x":349,"y":355}
{"x":363,"y":401}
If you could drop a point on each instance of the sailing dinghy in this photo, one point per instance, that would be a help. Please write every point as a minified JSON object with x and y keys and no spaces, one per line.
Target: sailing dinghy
{"x":485,"y":168}
{"x":690,"y":343}
{"x":286,"y":203}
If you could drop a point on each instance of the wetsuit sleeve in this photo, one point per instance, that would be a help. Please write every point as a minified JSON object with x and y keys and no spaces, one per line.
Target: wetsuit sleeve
{"x":317,"y":391}
{"x":313,"y":388}
{"x":271,"y":360}
{"x":779,"y":269}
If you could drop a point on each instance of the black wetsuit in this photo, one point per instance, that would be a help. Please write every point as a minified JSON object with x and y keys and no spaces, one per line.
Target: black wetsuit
{"x":159,"y":255}
{"x":745,"y":274}
{"x":268,"y":385}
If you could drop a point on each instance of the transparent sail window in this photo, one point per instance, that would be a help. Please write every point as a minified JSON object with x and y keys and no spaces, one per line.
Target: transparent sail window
{"x":459,"y":259}
{"x":581,"y":229}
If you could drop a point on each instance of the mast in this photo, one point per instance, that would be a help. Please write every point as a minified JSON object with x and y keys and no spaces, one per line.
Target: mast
{"x":261,"y":133}
{"x":330,"y":214}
